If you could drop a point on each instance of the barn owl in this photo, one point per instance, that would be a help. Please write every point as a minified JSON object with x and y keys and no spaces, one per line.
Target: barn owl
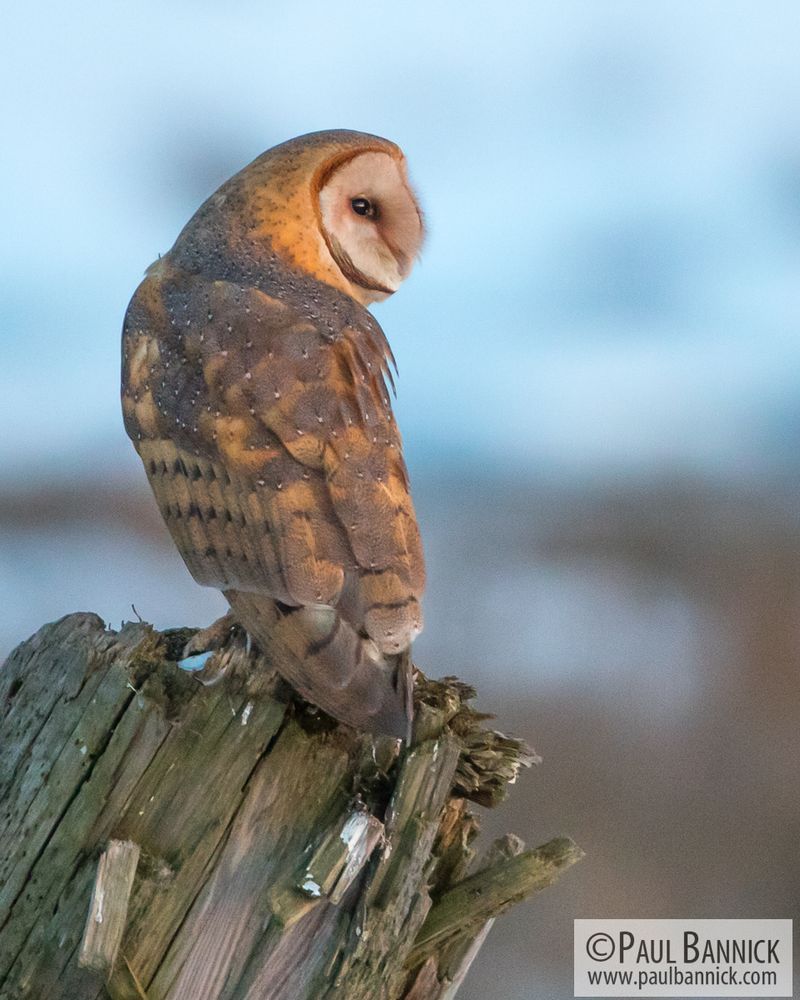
{"x":254,"y":388}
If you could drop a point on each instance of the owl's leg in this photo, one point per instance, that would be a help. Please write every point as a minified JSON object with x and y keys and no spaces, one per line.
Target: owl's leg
{"x":204,"y":644}
{"x":214,"y":636}
{"x":330,"y":664}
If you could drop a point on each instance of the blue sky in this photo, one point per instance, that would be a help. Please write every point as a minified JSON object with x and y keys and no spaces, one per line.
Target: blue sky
{"x":613,"y":193}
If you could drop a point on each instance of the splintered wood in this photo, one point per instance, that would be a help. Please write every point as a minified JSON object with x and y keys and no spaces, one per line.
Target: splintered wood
{"x":108,"y":909}
{"x":165,"y":840}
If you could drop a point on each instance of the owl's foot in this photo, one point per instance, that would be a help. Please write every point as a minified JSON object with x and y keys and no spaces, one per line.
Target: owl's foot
{"x":199,"y":653}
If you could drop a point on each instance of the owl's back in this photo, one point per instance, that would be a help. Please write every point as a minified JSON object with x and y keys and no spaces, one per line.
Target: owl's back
{"x":266,"y":431}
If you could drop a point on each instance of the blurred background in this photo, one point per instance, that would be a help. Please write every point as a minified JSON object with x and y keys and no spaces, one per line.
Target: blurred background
{"x":599,"y":386}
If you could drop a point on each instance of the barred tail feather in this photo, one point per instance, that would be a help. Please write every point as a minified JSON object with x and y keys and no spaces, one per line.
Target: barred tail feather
{"x":321,"y":655}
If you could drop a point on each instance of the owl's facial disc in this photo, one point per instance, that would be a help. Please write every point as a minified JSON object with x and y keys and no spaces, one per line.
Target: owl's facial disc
{"x":371,"y":223}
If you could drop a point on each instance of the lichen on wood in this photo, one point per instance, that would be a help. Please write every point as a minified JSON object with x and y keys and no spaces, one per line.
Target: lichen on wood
{"x":278,"y":855}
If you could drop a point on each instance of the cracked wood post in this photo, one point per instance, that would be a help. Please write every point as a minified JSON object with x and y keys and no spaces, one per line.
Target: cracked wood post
{"x":166,"y":840}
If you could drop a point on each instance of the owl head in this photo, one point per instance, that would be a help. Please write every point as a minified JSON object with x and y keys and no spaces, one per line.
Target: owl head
{"x":336,"y":205}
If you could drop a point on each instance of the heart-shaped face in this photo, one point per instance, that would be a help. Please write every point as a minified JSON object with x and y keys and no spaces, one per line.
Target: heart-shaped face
{"x":371,"y":222}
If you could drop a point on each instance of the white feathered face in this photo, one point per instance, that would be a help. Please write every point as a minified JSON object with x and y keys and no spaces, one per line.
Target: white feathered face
{"x":372,"y":223}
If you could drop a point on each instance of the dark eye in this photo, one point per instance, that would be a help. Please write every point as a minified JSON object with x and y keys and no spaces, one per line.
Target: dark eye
{"x":363,"y":206}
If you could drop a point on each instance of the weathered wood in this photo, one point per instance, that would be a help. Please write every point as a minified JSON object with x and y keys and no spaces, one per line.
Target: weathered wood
{"x":331,"y":870}
{"x":108,"y":908}
{"x":280,"y":856}
{"x":441,"y":974}
{"x":464,"y":908}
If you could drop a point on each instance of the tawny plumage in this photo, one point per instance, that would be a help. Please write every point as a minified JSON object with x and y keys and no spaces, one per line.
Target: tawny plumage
{"x":254,"y":387}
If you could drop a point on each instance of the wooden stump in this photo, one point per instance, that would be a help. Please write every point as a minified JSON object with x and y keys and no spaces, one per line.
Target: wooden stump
{"x":167,"y":840}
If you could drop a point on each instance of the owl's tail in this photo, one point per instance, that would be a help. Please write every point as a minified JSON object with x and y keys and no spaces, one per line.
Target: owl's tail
{"x":321,"y":655}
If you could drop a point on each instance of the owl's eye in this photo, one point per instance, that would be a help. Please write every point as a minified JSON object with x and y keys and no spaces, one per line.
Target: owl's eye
{"x":363,"y":206}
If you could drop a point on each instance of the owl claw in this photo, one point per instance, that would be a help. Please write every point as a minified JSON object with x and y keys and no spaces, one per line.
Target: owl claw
{"x":199,"y":651}
{"x":216,"y":636}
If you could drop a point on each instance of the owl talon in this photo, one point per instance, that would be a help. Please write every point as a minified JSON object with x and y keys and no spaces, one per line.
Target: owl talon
{"x":208,"y":667}
{"x":204,"y":644}
{"x":216,"y":636}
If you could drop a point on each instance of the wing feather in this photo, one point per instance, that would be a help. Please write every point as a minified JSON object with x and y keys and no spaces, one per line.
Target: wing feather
{"x":284,"y":468}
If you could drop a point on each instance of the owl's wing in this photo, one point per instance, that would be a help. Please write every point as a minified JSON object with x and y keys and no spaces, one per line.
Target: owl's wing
{"x":273,"y":452}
